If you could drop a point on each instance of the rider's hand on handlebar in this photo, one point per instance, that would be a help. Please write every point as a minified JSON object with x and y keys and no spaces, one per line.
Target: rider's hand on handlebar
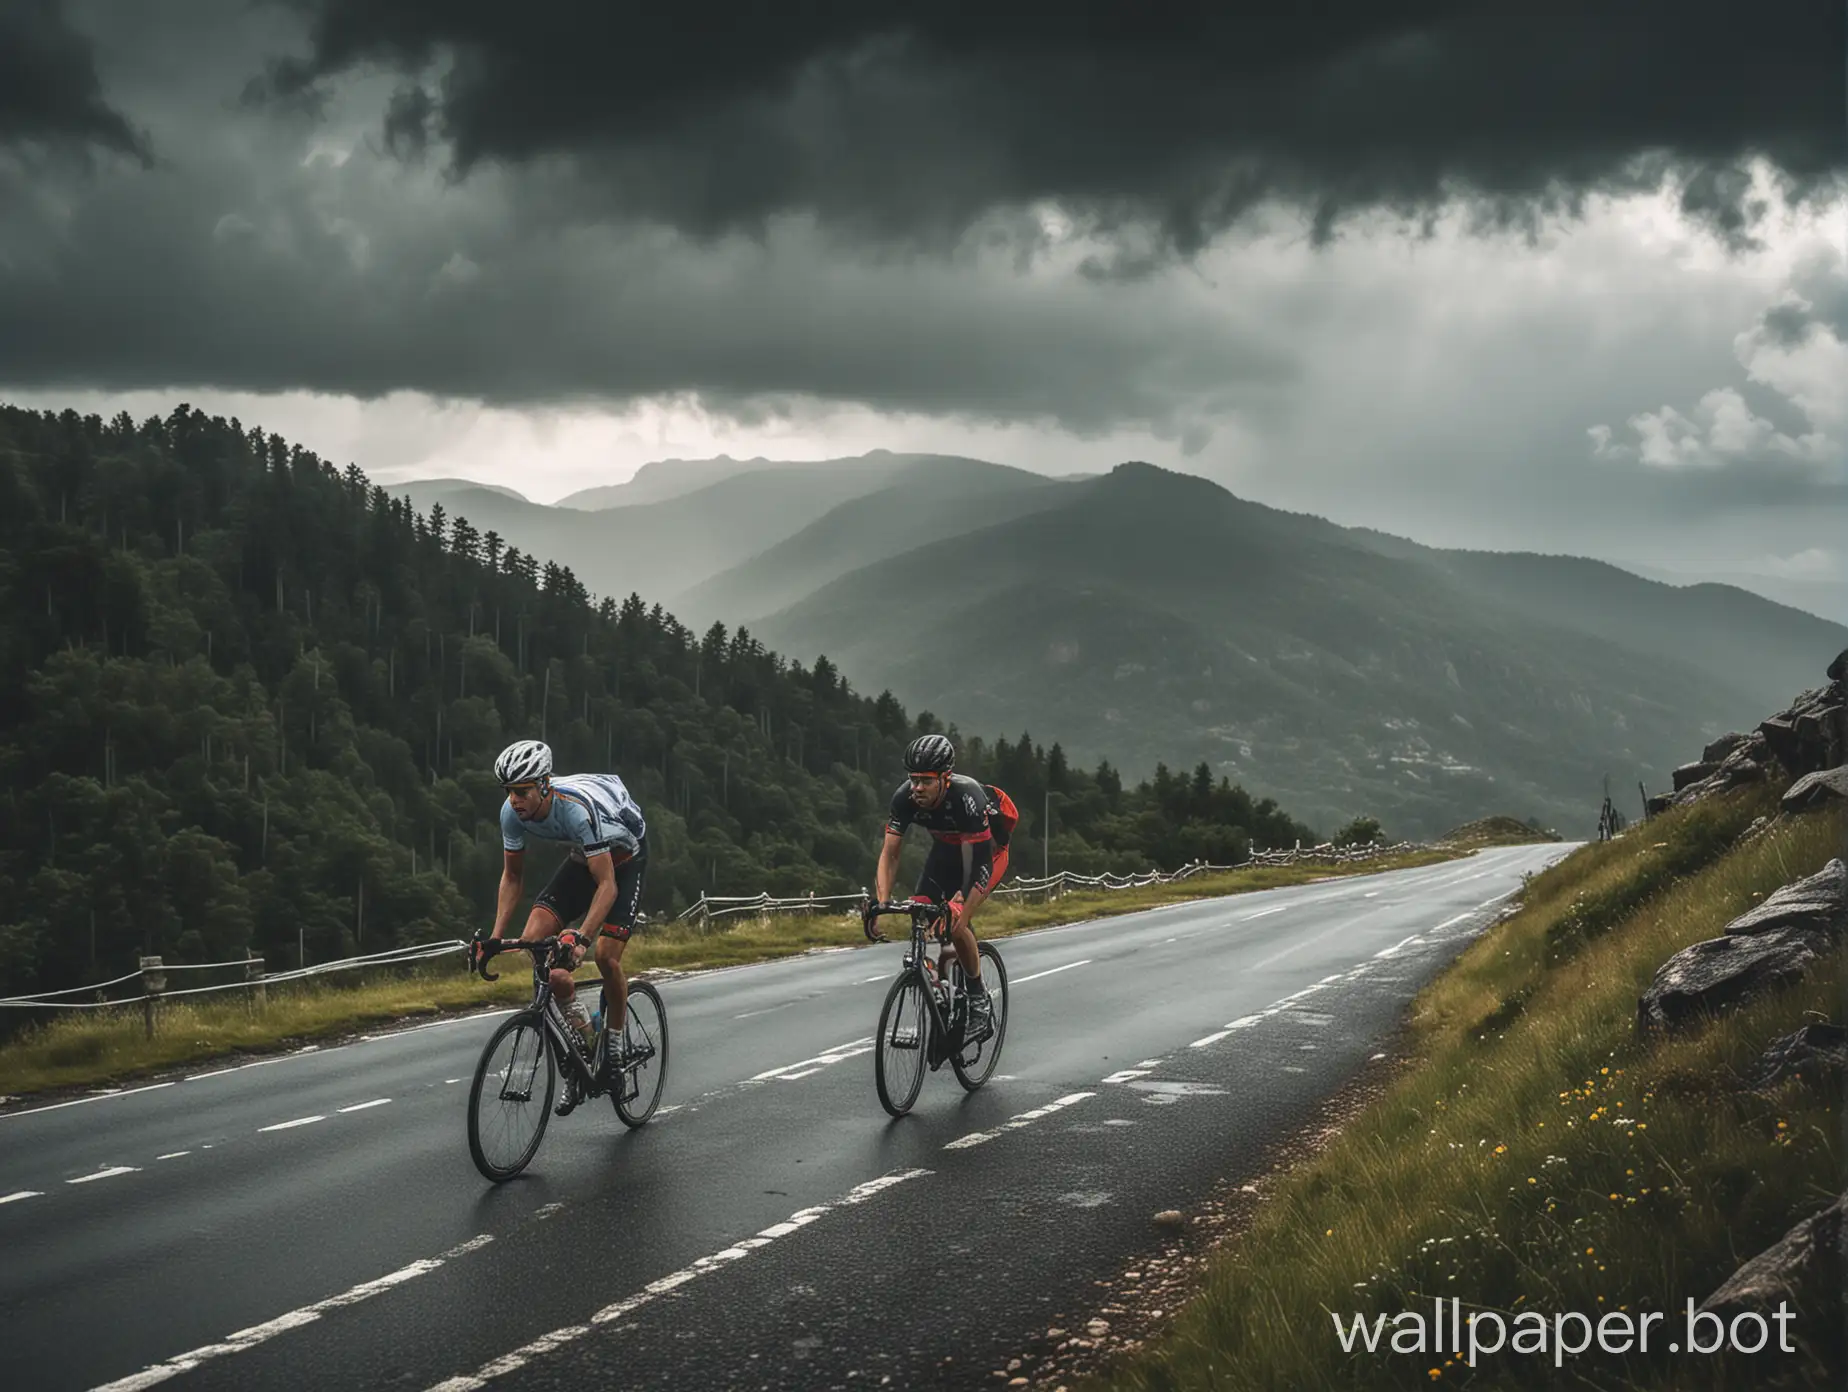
{"x":869,"y":924}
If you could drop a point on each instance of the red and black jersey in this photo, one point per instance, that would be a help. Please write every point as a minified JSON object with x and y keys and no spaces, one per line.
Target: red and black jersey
{"x":959,"y":818}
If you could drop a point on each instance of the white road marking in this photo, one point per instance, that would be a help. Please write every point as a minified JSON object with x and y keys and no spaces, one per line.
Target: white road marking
{"x":1123,"y":1075}
{"x":1210,"y":1039}
{"x":109,"y":1173}
{"x":78,"y":1102}
{"x":558,"y":1338}
{"x":22,"y":1194}
{"x":361,"y":1106}
{"x":1403,"y":942}
{"x":1019,"y":980}
{"x":295,"y":1319}
{"x":1150,"y":1063}
{"x":826,"y":1057}
{"x":976,"y":1138}
{"x":285,"y":1125}
{"x":173,"y":1155}
{"x":1264,"y":913}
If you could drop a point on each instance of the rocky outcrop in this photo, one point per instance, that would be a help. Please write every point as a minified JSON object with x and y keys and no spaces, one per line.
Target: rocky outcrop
{"x":1807,"y":742}
{"x":1770,"y":946}
{"x":1817,"y":1054}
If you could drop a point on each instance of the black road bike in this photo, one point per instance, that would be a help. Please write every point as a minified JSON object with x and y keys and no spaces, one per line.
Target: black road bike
{"x":516,"y":1081}
{"x":925,"y":1019}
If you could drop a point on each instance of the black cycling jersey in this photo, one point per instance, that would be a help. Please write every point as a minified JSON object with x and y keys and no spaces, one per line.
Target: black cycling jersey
{"x":959,"y":818}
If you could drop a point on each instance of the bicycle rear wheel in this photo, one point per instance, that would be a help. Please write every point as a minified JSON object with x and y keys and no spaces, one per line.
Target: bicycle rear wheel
{"x":976,"y":1062}
{"x":510,"y":1102}
{"x":899,"y":1056}
{"x":638,"y":1092}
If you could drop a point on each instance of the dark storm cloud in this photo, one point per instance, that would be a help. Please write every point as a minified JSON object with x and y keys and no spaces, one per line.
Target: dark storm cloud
{"x":49,"y":92}
{"x":909,"y":120}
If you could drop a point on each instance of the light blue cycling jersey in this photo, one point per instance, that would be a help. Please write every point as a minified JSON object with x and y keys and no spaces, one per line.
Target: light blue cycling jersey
{"x":591,"y":811}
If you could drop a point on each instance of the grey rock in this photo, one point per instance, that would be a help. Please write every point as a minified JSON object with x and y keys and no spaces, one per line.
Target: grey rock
{"x":1817,"y":1053}
{"x":1804,"y":1268}
{"x":1723,"y":973}
{"x":1819,"y":902}
{"x":1693,"y":773}
{"x":1816,"y":789}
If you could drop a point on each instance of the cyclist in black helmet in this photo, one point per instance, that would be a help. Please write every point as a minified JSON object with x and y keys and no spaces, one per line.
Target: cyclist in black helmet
{"x":963,"y":866}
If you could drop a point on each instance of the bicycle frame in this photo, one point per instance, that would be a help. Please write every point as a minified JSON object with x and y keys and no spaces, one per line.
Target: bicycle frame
{"x":942,"y":991}
{"x":545,"y":956}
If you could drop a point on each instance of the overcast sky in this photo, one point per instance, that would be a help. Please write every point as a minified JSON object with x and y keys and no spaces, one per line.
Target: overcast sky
{"x":1572,"y":277}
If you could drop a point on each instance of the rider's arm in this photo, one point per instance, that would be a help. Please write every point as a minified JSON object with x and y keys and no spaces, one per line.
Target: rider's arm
{"x":888,"y":866}
{"x":511,"y":881}
{"x":603,"y":870}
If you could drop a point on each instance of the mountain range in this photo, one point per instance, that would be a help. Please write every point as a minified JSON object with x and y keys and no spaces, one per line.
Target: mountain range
{"x":1146,"y":614}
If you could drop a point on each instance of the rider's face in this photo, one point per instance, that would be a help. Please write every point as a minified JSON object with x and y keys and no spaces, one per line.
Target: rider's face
{"x":527,"y":800}
{"x":927,"y":788}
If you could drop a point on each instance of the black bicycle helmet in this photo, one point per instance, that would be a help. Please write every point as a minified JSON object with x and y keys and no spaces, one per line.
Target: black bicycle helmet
{"x":930,"y":754}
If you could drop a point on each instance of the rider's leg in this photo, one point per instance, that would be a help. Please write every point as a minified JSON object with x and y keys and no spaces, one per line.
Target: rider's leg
{"x":615,"y":984}
{"x":986,"y":878}
{"x":542,"y":922}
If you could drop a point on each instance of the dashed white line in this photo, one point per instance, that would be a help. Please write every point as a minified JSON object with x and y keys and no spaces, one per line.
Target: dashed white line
{"x":976,"y":1138}
{"x":558,"y":1338}
{"x":1210,"y":1039}
{"x":1123,"y":1075}
{"x":361,"y":1106}
{"x":1019,"y":980}
{"x":823,"y":1059}
{"x":22,"y":1194}
{"x":173,"y":1155}
{"x":1403,"y":942}
{"x":1263,"y":913}
{"x":286,"y":1125}
{"x":295,"y":1319}
{"x":109,"y":1173}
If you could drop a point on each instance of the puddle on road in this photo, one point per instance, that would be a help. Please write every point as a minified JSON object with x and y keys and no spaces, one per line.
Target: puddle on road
{"x":1165,"y":1093}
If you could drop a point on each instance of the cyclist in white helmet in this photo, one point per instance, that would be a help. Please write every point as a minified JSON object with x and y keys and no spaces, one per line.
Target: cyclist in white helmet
{"x":600,"y":881}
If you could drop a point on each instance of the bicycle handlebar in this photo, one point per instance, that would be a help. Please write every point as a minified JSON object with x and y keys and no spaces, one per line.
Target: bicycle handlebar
{"x":492,"y":946}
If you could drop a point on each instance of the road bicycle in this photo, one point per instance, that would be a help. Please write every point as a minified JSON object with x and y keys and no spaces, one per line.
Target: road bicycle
{"x":517,"y":1078}
{"x":925,"y":1019}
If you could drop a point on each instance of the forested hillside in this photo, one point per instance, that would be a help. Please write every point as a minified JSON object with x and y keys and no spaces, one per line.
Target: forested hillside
{"x":247,"y":699}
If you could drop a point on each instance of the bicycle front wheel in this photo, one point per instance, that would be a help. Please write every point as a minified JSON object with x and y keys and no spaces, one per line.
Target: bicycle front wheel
{"x":899,"y":1056}
{"x":638,"y":1092}
{"x":511,"y":1100}
{"x":976,"y":1061}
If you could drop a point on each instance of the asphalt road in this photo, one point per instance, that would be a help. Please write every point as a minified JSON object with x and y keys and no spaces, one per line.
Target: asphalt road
{"x":314,"y":1220}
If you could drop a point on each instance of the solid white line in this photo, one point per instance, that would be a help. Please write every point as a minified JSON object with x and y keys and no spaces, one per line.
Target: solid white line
{"x":78,"y":1102}
{"x":295,"y":1319}
{"x":558,"y":1338}
{"x":109,"y":1173}
{"x":22,"y":1194}
{"x":173,"y":1155}
{"x":285,"y":1125}
{"x":361,"y":1106}
{"x":1019,"y":980}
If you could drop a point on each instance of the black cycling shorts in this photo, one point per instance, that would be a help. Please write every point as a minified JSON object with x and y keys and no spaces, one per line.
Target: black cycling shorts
{"x":568,"y":894}
{"x":942,"y":875}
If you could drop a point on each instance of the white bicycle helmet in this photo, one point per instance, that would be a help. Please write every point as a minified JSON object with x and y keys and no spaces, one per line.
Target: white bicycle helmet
{"x":525,"y":761}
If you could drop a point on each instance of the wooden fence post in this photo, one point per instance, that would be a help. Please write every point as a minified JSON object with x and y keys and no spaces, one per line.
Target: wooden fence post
{"x":153,"y":982}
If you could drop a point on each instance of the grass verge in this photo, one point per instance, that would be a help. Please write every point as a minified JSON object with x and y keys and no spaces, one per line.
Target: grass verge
{"x":112,"y":1047}
{"x":1540,"y":1157}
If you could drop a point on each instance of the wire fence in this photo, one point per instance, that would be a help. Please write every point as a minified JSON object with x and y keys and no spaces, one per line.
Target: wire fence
{"x":710,"y":908}
{"x":150,"y":978}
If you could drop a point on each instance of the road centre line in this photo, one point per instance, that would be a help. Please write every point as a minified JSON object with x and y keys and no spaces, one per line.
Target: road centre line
{"x":22,"y":1194}
{"x":109,"y":1173}
{"x":558,"y":1338}
{"x":286,"y":1125}
{"x":826,"y":1057}
{"x":1022,"y":980}
{"x":976,"y":1138}
{"x":361,"y":1106}
{"x":261,"y":1333}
